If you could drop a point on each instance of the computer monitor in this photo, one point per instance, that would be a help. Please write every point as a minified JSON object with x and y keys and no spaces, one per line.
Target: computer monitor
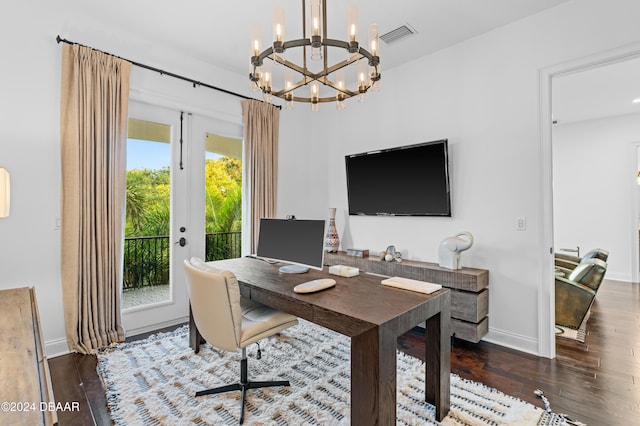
{"x":294,"y":241}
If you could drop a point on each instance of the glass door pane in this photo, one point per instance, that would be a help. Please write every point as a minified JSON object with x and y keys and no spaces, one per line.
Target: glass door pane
{"x":223,"y":197}
{"x":146,"y":274}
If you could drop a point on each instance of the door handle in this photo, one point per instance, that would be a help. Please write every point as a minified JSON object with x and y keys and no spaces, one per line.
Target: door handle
{"x":182,"y":241}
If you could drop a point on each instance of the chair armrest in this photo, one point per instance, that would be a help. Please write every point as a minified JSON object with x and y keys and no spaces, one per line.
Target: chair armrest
{"x":568,"y":257}
{"x":574,"y":286}
{"x":564,"y":263}
{"x":565,"y":271}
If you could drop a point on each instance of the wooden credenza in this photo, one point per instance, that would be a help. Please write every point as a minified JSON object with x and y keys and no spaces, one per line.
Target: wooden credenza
{"x":469,"y":288}
{"x":26,"y":394}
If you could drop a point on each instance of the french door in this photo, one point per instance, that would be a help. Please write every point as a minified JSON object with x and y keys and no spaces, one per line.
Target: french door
{"x":154,"y":293}
{"x":174,"y":225}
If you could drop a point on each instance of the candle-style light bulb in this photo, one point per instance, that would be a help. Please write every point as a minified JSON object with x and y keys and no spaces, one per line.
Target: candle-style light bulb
{"x":340,"y":96}
{"x":373,"y":39}
{"x":315,"y":96}
{"x":256,"y":40}
{"x":316,"y":29}
{"x":352,"y":23}
{"x":278,"y":29}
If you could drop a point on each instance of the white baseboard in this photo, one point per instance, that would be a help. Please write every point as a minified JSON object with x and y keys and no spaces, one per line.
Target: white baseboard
{"x":54,"y":348}
{"x":509,"y":340}
{"x":59,"y":347}
{"x":512,"y":340}
{"x":617,"y":277}
{"x":156,"y":326}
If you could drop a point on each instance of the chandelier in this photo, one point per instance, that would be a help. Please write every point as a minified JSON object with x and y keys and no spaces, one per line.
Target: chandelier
{"x":326,"y":83}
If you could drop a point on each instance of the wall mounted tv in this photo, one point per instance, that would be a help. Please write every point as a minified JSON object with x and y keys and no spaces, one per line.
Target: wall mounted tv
{"x":410,"y":180}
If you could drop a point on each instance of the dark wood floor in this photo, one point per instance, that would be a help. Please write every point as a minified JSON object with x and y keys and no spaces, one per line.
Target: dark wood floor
{"x":597,"y":383}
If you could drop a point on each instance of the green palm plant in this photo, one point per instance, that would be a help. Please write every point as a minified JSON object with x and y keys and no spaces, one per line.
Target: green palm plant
{"x":135,"y":210}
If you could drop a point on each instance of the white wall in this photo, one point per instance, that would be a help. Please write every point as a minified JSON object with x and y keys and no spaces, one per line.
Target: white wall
{"x":29,"y":135}
{"x":481,"y":94}
{"x":595,"y":188}
{"x":303,"y":168}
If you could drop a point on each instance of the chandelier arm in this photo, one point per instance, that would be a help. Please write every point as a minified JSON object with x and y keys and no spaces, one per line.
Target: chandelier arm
{"x":282,"y":94}
{"x":289,"y":65}
{"x":345,"y":45}
{"x":318,"y":100}
{"x":305,"y":72}
{"x":374,"y":60}
{"x":257,"y":61}
{"x":296,"y":43}
{"x":269,"y":53}
{"x":339,"y":65}
{"x":348,"y":93}
{"x":294,"y":86}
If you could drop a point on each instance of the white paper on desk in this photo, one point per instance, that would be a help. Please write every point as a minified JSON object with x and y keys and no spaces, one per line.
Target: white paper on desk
{"x":412,"y":285}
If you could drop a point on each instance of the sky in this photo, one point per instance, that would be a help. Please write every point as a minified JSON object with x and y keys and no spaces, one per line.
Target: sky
{"x":143,"y":154}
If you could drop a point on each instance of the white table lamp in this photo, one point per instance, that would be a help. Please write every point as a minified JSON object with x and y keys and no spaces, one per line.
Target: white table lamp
{"x":5,"y":192}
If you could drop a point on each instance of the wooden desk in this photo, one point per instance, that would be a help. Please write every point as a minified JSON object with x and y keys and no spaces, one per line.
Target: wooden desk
{"x":373,"y":316}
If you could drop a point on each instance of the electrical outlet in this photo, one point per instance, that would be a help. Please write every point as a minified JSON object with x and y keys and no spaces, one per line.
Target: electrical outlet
{"x":521,"y":223}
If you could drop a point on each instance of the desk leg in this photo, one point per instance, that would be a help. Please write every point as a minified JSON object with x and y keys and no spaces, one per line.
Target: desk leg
{"x":438,"y":359}
{"x":373,"y":378}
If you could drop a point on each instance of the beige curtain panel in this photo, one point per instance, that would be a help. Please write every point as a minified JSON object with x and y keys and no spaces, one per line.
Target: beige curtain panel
{"x":93,"y":132}
{"x":261,"y":131}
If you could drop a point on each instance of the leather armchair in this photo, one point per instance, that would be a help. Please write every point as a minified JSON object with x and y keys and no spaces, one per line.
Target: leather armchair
{"x":575,"y":293}
{"x":568,"y":261}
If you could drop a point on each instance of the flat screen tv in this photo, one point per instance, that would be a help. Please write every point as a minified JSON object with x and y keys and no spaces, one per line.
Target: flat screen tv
{"x":410,"y":180}
{"x":293,"y":241}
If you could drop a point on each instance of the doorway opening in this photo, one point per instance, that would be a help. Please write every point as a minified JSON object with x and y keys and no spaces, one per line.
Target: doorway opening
{"x":625,"y":169}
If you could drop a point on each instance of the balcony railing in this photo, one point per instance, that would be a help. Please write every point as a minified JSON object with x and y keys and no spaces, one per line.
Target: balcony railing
{"x":146,"y":259}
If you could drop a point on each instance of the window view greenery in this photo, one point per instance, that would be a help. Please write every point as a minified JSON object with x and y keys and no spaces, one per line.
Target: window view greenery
{"x":147,"y":242}
{"x":223,"y":208}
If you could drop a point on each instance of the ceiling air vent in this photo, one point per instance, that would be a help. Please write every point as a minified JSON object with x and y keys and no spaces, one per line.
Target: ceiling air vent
{"x":398,"y":34}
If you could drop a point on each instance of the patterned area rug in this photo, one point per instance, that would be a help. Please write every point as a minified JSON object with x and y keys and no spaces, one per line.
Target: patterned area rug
{"x":153,"y":382}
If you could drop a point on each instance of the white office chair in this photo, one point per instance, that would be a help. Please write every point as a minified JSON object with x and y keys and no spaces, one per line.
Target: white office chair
{"x":230,"y":322}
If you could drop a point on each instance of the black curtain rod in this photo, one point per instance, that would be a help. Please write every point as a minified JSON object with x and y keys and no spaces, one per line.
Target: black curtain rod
{"x":170,"y":74}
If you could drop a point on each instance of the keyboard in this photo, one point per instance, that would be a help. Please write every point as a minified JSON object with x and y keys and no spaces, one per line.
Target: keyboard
{"x":413,"y":285}
{"x":315,"y":285}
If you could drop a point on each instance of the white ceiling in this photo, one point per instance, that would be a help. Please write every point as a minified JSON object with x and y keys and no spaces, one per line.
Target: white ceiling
{"x":605,"y":91}
{"x":220,"y":32}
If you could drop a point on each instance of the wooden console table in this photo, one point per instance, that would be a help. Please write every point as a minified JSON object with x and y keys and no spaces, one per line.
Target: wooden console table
{"x":25,"y":384}
{"x":469,"y":288}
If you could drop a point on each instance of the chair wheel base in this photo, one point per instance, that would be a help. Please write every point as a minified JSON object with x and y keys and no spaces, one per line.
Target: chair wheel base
{"x":243,"y":387}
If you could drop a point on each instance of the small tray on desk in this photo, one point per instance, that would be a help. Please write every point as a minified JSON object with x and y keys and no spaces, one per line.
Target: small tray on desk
{"x":344,"y":271}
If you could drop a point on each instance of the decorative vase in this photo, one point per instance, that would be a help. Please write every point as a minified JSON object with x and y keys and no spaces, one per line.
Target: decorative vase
{"x":331,"y":239}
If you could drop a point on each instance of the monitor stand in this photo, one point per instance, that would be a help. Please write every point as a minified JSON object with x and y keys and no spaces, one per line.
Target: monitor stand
{"x":293,"y":269}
